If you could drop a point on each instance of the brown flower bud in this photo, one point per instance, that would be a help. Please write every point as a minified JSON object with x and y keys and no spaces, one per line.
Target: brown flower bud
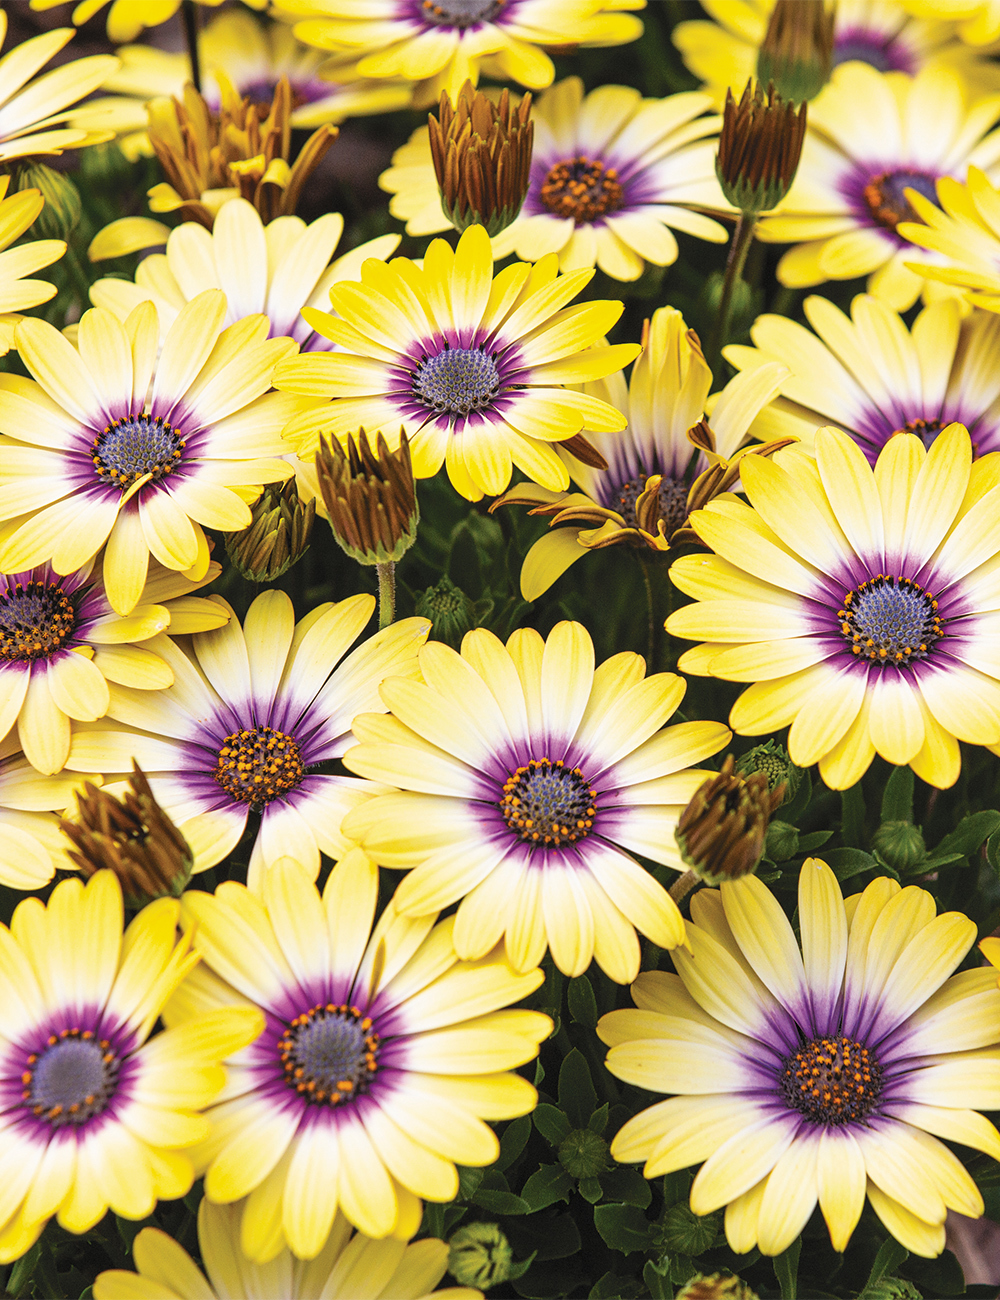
{"x":372,"y":503}
{"x":244,"y":149}
{"x":759,"y":149}
{"x":482,"y":158}
{"x":721,"y":832}
{"x":133,"y":837}
{"x":797,"y":50}
{"x":277,"y":537}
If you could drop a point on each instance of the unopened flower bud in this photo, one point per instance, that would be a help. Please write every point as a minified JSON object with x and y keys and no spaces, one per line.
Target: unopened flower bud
{"x":900,"y":844}
{"x":278,"y":535}
{"x":797,"y":51}
{"x":685,"y":1232}
{"x":716,"y":1286}
{"x":721,"y":832}
{"x":782,"y":841}
{"x":61,"y":214}
{"x":372,"y":503}
{"x":449,"y":609}
{"x":771,"y":759}
{"x":482,"y":158}
{"x":584,"y":1154}
{"x":480,"y":1255}
{"x":759,"y":149}
{"x":133,"y":837}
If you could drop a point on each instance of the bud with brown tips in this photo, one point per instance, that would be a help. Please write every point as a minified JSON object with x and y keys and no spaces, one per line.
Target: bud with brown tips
{"x":133,"y":837}
{"x":759,"y":149}
{"x":715,"y":1286}
{"x":721,"y":832}
{"x":371,"y":500}
{"x":278,"y":535}
{"x":797,"y":51}
{"x":482,"y":158}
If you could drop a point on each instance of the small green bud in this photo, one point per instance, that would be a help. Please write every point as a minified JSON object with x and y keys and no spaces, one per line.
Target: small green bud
{"x":685,"y":1232}
{"x":61,"y":214}
{"x":900,"y":844}
{"x":772,"y":759}
{"x":449,"y":609}
{"x":278,"y":535}
{"x":715,"y":1286}
{"x":480,"y":1255}
{"x":584,"y":1154}
{"x":782,"y":842}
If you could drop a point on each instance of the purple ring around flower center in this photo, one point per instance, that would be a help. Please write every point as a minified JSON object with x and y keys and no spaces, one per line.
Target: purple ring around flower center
{"x":876,"y":193}
{"x":879,"y":49}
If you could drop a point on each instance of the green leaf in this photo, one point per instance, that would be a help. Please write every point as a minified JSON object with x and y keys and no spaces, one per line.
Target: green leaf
{"x":849,"y":862}
{"x":993,"y":851}
{"x":612,"y":1287}
{"x":622,"y":1227}
{"x":658,"y":1280}
{"x":852,"y":803}
{"x":795,"y":807}
{"x":514,"y":1271}
{"x":501,"y":1202}
{"x":891,"y":1254}
{"x":598,"y":1122}
{"x":628,"y":1185}
{"x":581,"y":1001}
{"x":548,"y":1184}
{"x":469,"y":1181}
{"x":590,"y":1189}
{"x":551,"y":1123}
{"x":807,"y":843}
{"x":897,"y":801}
{"x":970,"y":833}
{"x":514,"y":1140}
{"x":786,"y":1270}
{"x":935,"y":1277}
{"x":577,"y":1097}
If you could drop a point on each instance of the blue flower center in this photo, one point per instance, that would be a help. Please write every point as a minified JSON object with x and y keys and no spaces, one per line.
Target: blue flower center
{"x":832,"y":1081}
{"x":548,"y":804}
{"x":890,"y":620}
{"x":329,"y":1054}
{"x":459,"y":13}
{"x":887,"y":202}
{"x":672,"y":501}
{"x":36,"y":620}
{"x":259,"y":764}
{"x":457,"y":381}
{"x":130,"y":449}
{"x":72,"y":1080}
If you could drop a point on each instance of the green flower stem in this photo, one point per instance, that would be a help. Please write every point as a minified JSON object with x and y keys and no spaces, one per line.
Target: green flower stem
{"x":386,"y":593}
{"x":191,"y":19}
{"x":738,"y":249}
{"x":683,"y":885}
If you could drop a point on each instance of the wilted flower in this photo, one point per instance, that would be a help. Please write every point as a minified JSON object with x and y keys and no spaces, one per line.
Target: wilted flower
{"x":133,"y":837}
{"x":241,"y":151}
{"x":372,"y":502}
{"x":759,"y":149}
{"x":482,"y":158}
{"x":796,"y":54}
{"x":721,"y":832}
{"x":277,"y":538}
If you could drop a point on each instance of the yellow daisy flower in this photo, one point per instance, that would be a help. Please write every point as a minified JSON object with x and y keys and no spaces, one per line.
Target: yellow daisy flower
{"x":127,"y":18}
{"x":872,"y":377}
{"x":253,"y":55}
{"x":527,"y":781}
{"x":61,"y":643}
{"x":882,"y":33}
{"x":275,"y":269}
{"x":93,"y":1115}
{"x":32,"y":847}
{"x":32,"y":112}
{"x":17,"y":213}
{"x":978,"y":20}
{"x":379,"y":1062}
{"x":252,"y":713}
{"x":108,"y":444}
{"x":610,"y":174}
{"x":442,"y":43}
{"x":348,"y":1267}
{"x":861,"y":605}
{"x":651,"y":483}
{"x":964,"y":237}
{"x":872,"y":136}
{"x":815,"y":1070}
{"x":470,"y":366}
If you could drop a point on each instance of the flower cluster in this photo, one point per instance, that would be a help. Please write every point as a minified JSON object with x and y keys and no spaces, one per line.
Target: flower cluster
{"x":500,"y":687}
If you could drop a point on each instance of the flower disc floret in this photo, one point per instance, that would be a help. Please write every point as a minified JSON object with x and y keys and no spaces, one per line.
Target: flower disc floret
{"x":890,"y":621}
{"x":72,"y":1079}
{"x":259,"y":764}
{"x":36,"y":619}
{"x":329,"y":1054}
{"x":138,"y":447}
{"x":832,"y":1081}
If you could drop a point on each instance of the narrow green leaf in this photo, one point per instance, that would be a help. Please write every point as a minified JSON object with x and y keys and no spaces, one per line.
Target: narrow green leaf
{"x":852,"y":803}
{"x":551,"y":1122}
{"x":897,"y":801}
{"x":548,"y":1184}
{"x":577,"y":1096}
{"x":786,"y":1270}
{"x":582,"y":1003}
